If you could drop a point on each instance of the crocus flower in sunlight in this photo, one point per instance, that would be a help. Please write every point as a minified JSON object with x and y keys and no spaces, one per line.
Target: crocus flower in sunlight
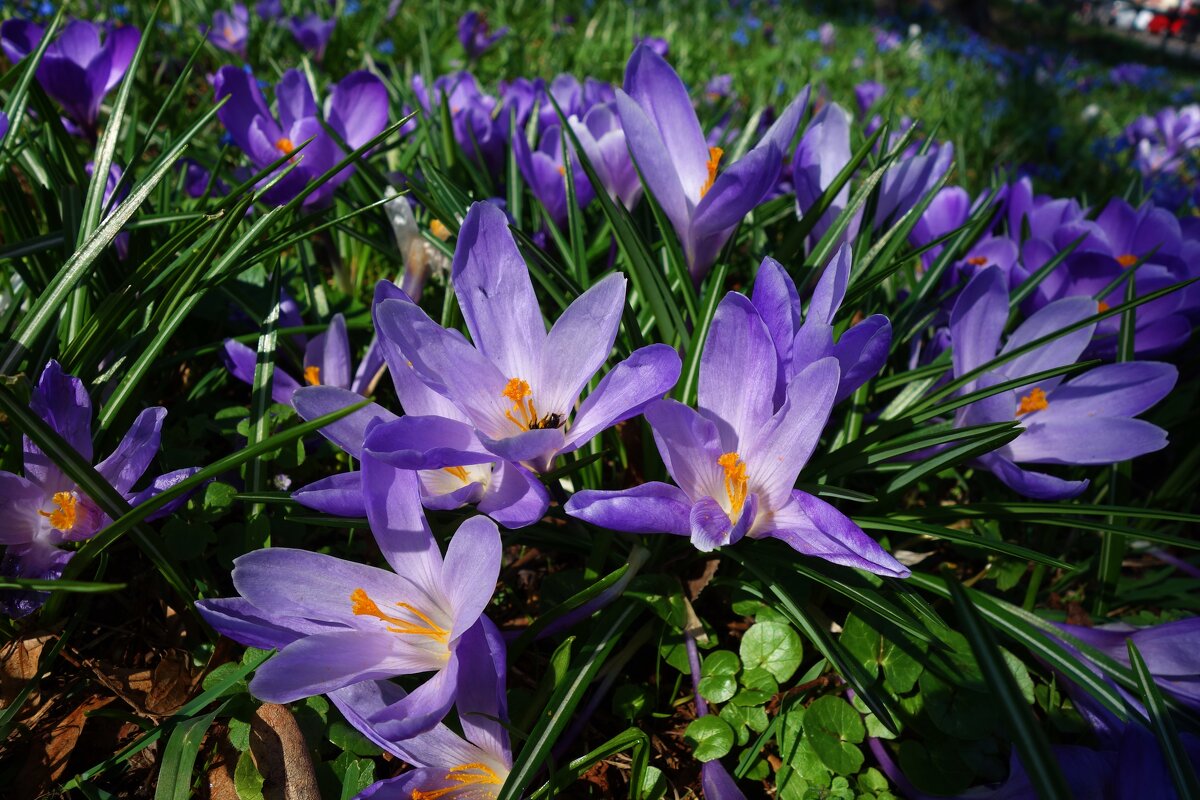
{"x":860,"y":351}
{"x":434,"y":438}
{"x":356,"y":108}
{"x":735,"y":460}
{"x":447,"y":765}
{"x":44,"y":509}
{"x":1088,"y":419}
{"x":656,"y":44}
{"x":823,"y":152}
{"x":339,"y":622}
{"x":703,"y":202}
{"x":867,"y":94}
{"x":312,"y":33}
{"x":475,"y":35}
{"x":517,"y":384}
{"x":230,"y":30}
{"x":603,"y":141}
{"x":327,"y":362}
{"x":78,"y":69}
{"x":479,"y":132}
{"x":545,"y":170}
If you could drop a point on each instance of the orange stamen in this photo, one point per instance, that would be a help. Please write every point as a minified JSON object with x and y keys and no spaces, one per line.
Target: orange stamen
{"x":977,"y":261}
{"x":714,"y":161}
{"x":312,"y":375}
{"x":516,"y":390}
{"x":562,"y":170}
{"x":362,"y":605}
{"x":735,"y":482}
{"x":63,"y":518}
{"x":1127,"y":260}
{"x":439,"y":229}
{"x":1034,"y":401}
{"x":458,"y":472}
{"x":463,"y":775}
{"x":284,"y":145}
{"x":1102,"y":306}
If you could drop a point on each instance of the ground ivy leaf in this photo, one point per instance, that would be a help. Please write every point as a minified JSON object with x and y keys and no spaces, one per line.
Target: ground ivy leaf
{"x":774,"y":647}
{"x":718,"y":681}
{"x":834,"y":729}
{"x":877,"y":652}
{"x":710,"y":737}
{"x":246,"y":779}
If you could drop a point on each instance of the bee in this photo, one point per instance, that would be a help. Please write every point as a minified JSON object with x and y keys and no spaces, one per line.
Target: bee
{"x":549,"y":421}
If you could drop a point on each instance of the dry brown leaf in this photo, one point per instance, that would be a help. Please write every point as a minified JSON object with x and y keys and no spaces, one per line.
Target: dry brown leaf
{"x":281,"y":755}
{"x":18,"y":665}
{"x":51,"y":749}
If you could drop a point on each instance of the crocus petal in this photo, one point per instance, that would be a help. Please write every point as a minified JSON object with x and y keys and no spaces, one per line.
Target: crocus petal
{"x":537,"y":446}
{"x":778,"y":303}
{"x":329,"y":352}
{"x":393,"y":500}
{"x":19,"y":501}
{"x":861,"y":353}
{"x":340,"y":495}
{"x":357,"y":108}
{"x":1037,"y":485}
{"x":689,"y":445}
{"x":978,"y":319}
{"x":653,"y":161}
{"x":650,"y":508}
{"x":492,"y":284}
{"x":240,"y":360}
{"x":813,"y":527}
{"x":19,"y":38}
{"x":412,"y":442}
{"x":482,"y":683}
{"x":663,"y":98}
{"x":711,"y":527}
{"x":245,"y":104}
{"x":580,"y":341}
{"x":1065,"y":349}
{"x":123,"y":42}
{"x":162,"y":483}
{"x":648,"y":374}
{"x":737,"y":371}
{"x":423,"y":708}
{"x":348,"y":432}
{"x":246,"y":624}
{"x":471,"y":569}
{"x":1086,"y":440}
{"x":328,"y":661}
{"x":736,"y":191}
{"x":822,"y":153}
{"x":515,"y":497}
{"x":717,"y":783}
{"x":294,"y":99}
{"x":62,"y":401}
{"x":783,"y":130}
{"x":1112,"y":390}
{"x":831,"y":288}
{"x":135,"y":452}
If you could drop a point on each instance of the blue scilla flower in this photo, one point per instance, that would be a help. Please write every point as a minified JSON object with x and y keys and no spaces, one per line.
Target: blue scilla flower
{"x":386,"y":47}
{"x":740,"y":37}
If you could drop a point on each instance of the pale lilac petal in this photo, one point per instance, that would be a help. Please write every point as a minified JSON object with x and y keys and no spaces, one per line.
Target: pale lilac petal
{"x":778,"y":303}
{"x":294,"y":99}
{"x":538,"y":446}
{"x":689,"y":445}
{"x":393,"y":500}
{"x":412,"y":442}
{"x":711,"y":527}
{"x":977,"y":320}
{"x":737,"y":191}
{"x":246,"y":624}
{"x":161,"y":484}
{"x":654,"y":163}
{"x":737,"y":371}
{"x":650,"y":508}
{"x":1112,"y":390}
{"x":663,"y":98}
{"x":1037,"y":485}
{"x":240,"y":360}
{"x":328,"y":661}
{"x":357,"y":108}
{"x":423,"y":708}
{"x":329,"y":352}
{"x":646,"y":376}
{"x":813,"y":527}
{"x":1085,"y":440}
{"x":471,"y":569}
{"x":780,"y":446}
{"x":515,"y":497}
{"x":861,"y":353}
{"x":580,"y":342}
{"x":19,"y":499}
{"x":135,"y":452}
{"x":1066,"y":349}
{"x":494,"y":292}
{"x":831,"y":288}
{"x":348,"y":433}
{"x":783,"y":129}
{"x":246,"y":104}
{"x":340,"y":495}
{"x":123,"y":43}
{"x":481,"y":693}
{"x":62,"y":401}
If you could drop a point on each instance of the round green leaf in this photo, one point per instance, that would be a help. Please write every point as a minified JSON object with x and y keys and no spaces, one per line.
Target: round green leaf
{"x":710,"y":737}
{"x":718,"y":682}
{"x":834,"y":728}
{"x":774,"y":647}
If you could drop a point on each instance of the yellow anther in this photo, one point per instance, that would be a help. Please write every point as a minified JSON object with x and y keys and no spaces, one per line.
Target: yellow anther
{"x":463,"y":776}
{"x":64,"y":516}
{"x":363,"y":606}
{"x":523,"y":413}
{"x":1034,"y":401}
{"x":735,"y":482}
{"x":562,"y":170}
{"x":228,"y":33}
{"x":312,"y":375}
{"x":458,"y":472}
{"x":1102,"y":306}
{"x":714,"y":161}
{"x":977,"y":261}
{"x":1127,"y":260}
{"x":439,"y":229}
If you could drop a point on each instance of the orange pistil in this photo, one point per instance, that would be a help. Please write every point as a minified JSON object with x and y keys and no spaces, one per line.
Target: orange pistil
{"x":312,"y":375}
{"x":562,"y":170}
{"x":63,"y":518}
{"x":1034,"y":401}
{"x":714,"y":161}
{"x":464,"y":775}
{"x":458,"y":472}
{"x":284,"y":145}
{"x":439,"y":229}
{"x":1102,"y":306}
{"x":977,"y":261}
{"x":363,"y":606}
{"x":735,"y":482}
{"x":1127,"y":260}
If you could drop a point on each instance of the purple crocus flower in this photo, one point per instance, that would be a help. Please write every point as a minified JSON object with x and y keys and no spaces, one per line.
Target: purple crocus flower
{"x":948,"y":211}
{"x":434,"y":438}
{"x":860,"y":351}
{"x":477,"y":129}
{"x":230,"y":31}
{"x":1086,"y":420}
{"x":735,"y":460}
{"x":337,"y":623}
{"x":603,"y":141}
{"x":545,"y":170}
{"x":269,"y":9}
{"x":682,"y":171}
{"x":909,"y":180}
{"x":658,"y":45}
{"x":519,"y":385}
{"x":475,"y":35}
{"x":823,"y":152}
{"x":567,"y":93}
{"x":356,"y":108}
{"x":326,"y":363}
{"x":827,"y":35}
{"x":77,"y":69}
{"x":45,"y":509}
{"x":3,"y":125}
{"x":312,"y":33}
{"x":472,"y":765}
{"x":867,"y":94}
